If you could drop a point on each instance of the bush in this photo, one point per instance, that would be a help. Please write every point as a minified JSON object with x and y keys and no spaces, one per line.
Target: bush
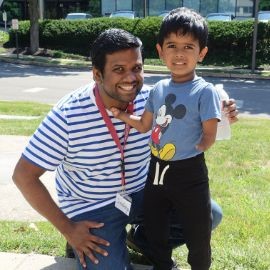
{"x":4,"y":37}
{"x":230,"y":43}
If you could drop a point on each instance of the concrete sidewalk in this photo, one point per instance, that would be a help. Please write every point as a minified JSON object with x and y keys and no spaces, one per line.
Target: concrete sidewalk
{"x":14,"y":207}
{"x":13,"y":261}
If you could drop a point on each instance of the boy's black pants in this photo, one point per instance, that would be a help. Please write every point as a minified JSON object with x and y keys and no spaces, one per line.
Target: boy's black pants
{"x":184,"y":188}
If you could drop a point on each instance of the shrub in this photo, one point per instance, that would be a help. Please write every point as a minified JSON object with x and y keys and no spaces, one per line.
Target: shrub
{"x":230,"y":43}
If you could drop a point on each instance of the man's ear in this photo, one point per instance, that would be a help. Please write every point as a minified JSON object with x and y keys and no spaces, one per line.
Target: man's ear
{"x":97,"y":75}
{"x":159,"y":49}
{"x":203,"y":54}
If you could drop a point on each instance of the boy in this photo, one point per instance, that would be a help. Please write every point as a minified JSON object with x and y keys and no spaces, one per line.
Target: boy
{"x":182,"y":112}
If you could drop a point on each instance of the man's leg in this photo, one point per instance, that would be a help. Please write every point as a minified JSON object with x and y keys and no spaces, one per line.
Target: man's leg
{"x":114,"y":231}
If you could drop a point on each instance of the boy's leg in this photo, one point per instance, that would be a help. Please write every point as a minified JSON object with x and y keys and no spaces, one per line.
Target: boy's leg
{"x":191,"y":197}
{"x":156,"y":221}
{"x":136,"y":238}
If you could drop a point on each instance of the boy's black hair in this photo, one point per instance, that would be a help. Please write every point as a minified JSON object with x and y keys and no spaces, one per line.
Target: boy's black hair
{"x":184,"y":21}
{"x":109,"y":42}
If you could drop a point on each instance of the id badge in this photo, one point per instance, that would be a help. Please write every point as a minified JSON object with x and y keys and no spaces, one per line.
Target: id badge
{"x":123,"y":202}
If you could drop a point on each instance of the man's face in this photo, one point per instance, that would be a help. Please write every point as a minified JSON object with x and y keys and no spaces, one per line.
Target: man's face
{"x":122,"y":77}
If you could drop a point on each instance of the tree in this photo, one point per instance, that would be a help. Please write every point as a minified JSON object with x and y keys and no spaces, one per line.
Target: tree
{"x":264,"y":5}
{"x":34,"y":25}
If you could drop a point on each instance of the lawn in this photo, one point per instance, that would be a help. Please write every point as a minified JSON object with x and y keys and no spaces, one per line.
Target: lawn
{"x":239,"y":171}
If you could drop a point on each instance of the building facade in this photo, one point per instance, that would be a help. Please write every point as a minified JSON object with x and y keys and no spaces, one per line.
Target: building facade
{"x":243,"y":8}
{"x":57,"y":9}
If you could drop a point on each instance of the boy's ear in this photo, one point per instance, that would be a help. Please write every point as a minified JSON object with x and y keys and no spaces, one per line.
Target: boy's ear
{"x":203,"y":54}
{"x":159,"y":49}
{"x":97,"y":76}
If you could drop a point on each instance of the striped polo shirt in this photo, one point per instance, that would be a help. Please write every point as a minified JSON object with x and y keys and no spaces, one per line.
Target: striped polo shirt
{"x":74,"y":140}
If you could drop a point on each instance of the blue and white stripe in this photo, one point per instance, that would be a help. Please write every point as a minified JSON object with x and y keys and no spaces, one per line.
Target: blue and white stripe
{"x":74,"y":140}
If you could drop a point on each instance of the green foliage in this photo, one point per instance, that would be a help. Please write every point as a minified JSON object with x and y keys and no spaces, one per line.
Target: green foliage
{"x":264,"y":5}
{"x":230,"y":43}
{"x":4,"y":37}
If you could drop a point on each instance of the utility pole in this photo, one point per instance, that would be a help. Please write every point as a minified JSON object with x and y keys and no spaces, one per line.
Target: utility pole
{"x":255,"y":33}
{"x":144,"y":9}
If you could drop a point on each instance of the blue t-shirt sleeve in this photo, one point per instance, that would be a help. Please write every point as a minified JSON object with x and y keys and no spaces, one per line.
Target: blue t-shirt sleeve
{"x":210,"y":106}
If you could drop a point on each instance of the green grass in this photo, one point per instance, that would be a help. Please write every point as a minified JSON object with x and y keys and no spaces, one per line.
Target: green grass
{"x":239,"y":172}
{"x":21,"y":127}
{"x":19,"y":237}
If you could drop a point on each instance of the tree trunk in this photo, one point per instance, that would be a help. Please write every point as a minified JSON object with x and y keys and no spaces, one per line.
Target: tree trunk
{"x":34,"y":26}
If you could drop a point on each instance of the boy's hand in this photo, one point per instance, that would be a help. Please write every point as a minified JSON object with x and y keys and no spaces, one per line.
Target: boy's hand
{"x":231,"y":111}
{"x":116,"y":112}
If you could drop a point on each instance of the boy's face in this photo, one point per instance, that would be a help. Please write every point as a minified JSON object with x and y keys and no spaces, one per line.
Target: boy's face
{"x":181,"y":54}
{"x":122,"y":77}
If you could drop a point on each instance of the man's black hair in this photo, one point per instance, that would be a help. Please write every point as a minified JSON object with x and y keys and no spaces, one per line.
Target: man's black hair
{"x":182,"y":21}
{"x":109,"y":42}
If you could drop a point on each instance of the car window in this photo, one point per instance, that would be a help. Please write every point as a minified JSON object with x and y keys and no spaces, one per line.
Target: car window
{"x":219,"y":17}
{"x":129,"y":15}
{"x":78,"y":16}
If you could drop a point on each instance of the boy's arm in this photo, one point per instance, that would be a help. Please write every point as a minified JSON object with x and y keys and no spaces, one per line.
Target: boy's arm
{"x":141,"y":123}
{"x":209,"y":134}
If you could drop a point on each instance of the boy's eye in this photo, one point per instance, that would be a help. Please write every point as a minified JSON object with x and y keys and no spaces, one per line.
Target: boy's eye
{"x":171,"y":46}
{"x":187,"y":47}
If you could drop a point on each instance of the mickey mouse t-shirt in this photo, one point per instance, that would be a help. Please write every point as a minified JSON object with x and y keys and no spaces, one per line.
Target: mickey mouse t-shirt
{"x":178,"y":112}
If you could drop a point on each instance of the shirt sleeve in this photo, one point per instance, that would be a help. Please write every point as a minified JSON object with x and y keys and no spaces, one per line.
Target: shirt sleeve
{"x":48,"y":145}
{"x":210,"y":106}
{"x":149,"y":106}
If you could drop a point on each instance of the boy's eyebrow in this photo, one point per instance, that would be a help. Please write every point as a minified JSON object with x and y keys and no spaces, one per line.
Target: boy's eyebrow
{"x":172,"y":42}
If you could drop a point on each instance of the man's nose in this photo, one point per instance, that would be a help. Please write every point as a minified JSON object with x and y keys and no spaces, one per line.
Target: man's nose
{"x":131,"y":76}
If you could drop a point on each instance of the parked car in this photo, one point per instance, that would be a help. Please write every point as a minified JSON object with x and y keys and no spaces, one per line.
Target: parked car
{"x":163,"y":13}
{"x":78,"y":16}
{"x":219,"y":17}
{"x":130,"y":14}
{"x":264,"y":16}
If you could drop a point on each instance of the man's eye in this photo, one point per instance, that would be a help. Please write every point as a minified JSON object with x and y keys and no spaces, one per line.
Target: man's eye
{"x":138,"y":68}
{"x":119,"y":69}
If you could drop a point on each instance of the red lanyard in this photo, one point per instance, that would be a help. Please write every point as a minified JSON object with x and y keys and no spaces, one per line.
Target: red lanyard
{"x":112,"y":130}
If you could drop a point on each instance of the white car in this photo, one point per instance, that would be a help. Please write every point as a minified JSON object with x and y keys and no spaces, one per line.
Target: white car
{"x":219,"y":17}
{"x":78,"y":16}
{"x":123,"y":13}
{"x":264,"y":16}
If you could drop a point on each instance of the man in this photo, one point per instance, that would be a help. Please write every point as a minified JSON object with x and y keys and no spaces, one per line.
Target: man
{"x":101,"y":163}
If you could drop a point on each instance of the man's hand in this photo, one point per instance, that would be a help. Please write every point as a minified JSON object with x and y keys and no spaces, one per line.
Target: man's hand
{"x":230,"y":110}
{"x":84,"y":242}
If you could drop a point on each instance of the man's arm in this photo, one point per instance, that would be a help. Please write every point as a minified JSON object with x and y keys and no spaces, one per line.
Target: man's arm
{"x":27,"y":178}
